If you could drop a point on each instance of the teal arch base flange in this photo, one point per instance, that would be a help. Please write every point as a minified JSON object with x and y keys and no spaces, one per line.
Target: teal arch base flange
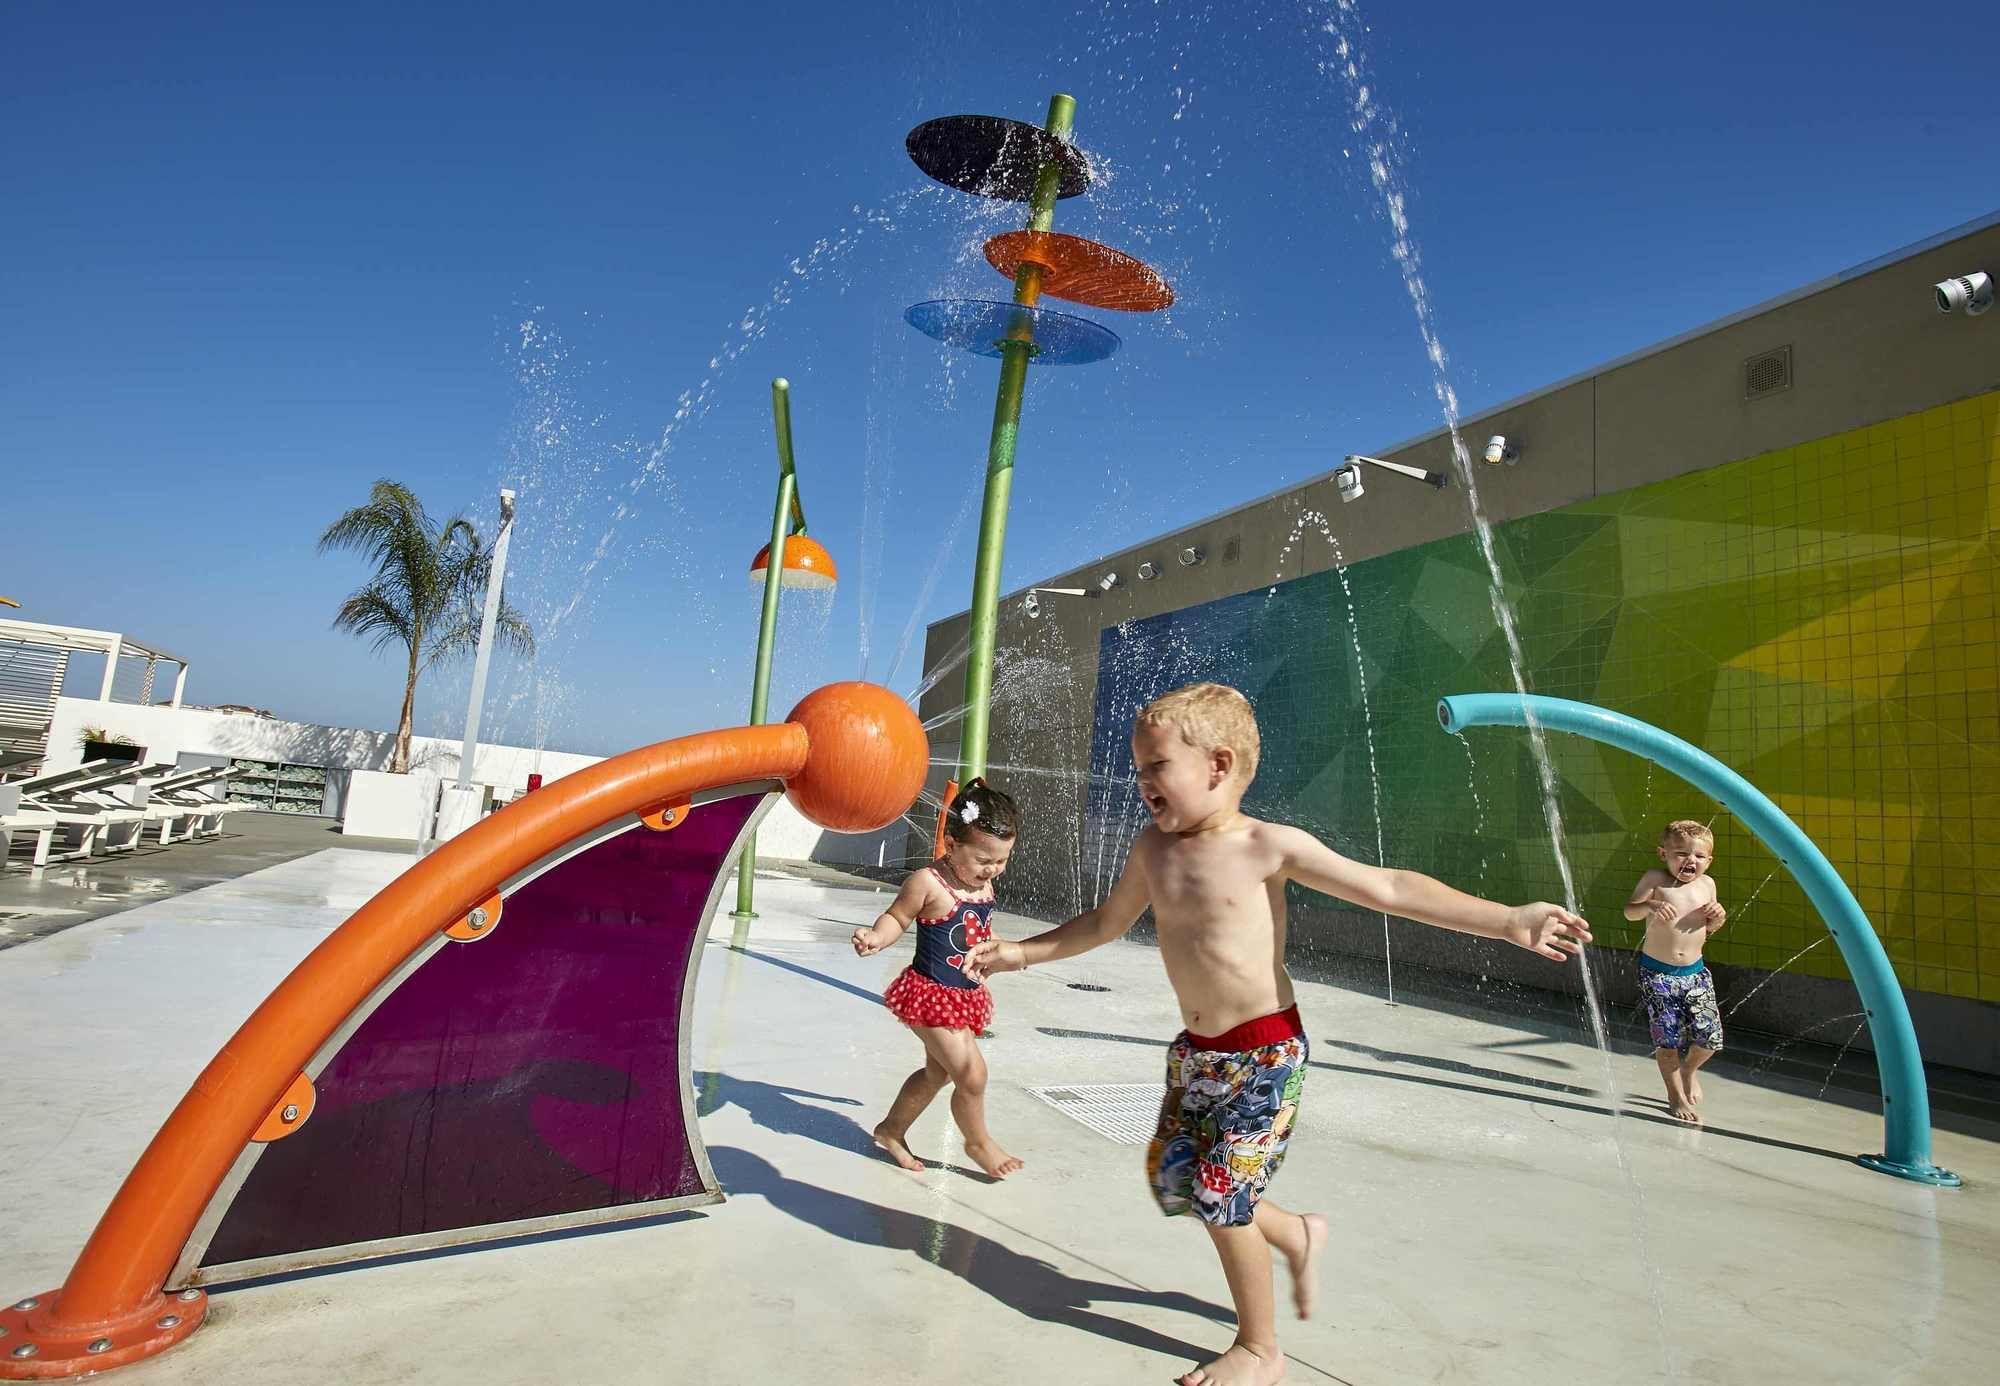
{"x":1906,"y":1104}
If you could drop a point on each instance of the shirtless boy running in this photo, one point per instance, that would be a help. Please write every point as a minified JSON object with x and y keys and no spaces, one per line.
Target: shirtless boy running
{"x":1215,"y":879}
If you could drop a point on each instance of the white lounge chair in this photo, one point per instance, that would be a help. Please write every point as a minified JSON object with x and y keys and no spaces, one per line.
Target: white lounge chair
{"x":93,"y":824}
{"x":89,"y":829}
{"x":56,"y":779}
{"x":15,"y":819}
{"x":135,"y":788}
{"x":184,"y":791}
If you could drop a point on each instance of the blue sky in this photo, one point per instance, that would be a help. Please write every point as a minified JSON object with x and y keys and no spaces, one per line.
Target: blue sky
{"x":254,"y":258}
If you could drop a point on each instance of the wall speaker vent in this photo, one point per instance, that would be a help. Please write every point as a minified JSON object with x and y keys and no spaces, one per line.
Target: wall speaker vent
{"x":1768,"y":373}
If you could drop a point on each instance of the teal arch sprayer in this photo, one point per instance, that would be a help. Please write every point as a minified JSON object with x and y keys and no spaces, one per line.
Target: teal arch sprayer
{"x":1906,"y":1108}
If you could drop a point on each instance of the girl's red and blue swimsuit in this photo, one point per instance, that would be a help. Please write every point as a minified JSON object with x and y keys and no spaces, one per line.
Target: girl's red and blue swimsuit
{"x":934,"y":990}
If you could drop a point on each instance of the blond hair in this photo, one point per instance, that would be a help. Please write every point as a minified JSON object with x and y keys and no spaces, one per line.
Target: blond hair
{"x":1209,"y":716}
{"x":1687,"y":830}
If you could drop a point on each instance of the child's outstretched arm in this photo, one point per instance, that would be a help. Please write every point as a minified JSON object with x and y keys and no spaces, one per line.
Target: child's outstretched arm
{"x":889,"y":925}
{"x":1548,"y":930}
{"x":1119,"y":911}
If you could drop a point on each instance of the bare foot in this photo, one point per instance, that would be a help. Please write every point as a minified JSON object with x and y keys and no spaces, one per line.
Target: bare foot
{"x":1238,"y":1367}
{"x":990,"y":1157}
{"x":892,"y":1142}
{"x":1684,"y":1111}
{"x":1305,"y":1267}
{"x":1694,"y":1088}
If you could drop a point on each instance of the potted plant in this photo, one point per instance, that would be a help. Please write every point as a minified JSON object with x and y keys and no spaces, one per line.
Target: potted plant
{"x":98,"y":744}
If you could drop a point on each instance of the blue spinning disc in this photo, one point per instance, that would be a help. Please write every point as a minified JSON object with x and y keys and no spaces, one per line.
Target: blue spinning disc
{"x":981,"y":325}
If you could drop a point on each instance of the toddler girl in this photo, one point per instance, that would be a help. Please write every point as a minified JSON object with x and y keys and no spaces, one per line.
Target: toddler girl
{"x":950,"y":901}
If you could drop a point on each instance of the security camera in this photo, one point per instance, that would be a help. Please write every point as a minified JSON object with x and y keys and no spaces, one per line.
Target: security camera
{"x":1347,"y":481}
{"x":1969,"y":293}
{"x":1499,"y":449}
{"x":1192,"y":555}
{"x":1031,"y":606}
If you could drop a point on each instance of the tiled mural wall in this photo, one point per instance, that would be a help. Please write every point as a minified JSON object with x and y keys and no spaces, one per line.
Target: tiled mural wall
{"x":1821,"y":618}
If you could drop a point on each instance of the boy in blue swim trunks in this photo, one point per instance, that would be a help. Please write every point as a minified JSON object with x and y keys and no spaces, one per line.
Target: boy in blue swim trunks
{"x":1215,"y":879}
{"x":1677,"y":901}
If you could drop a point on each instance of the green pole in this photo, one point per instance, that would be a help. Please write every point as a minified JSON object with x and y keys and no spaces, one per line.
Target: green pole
{"x":786,"y":510}
{"x":1016,"y":352}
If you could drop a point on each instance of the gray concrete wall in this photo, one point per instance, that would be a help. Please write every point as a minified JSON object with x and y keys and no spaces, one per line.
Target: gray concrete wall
{"x":1866,"y":345}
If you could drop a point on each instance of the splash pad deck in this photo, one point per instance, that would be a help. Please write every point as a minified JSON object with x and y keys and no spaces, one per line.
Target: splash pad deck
{"x":1482,"y":1230}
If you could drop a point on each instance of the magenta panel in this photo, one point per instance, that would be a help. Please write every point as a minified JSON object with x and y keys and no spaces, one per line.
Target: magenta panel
{"x":529,"y":1074}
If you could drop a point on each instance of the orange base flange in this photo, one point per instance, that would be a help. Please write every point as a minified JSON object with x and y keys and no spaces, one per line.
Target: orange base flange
{"x":1081,"y":271}
{"x":35,"y":1346}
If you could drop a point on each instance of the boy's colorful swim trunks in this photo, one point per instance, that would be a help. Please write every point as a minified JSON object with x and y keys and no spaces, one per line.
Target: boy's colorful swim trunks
{"x":1681,"y":1011}
{"x":1231,"y":1102}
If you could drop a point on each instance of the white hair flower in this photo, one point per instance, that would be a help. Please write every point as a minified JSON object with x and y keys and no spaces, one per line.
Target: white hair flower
{"x":969,"y":814}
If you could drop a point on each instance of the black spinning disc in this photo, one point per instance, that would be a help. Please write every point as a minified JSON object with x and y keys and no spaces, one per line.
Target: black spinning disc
{"x":992,"y":156}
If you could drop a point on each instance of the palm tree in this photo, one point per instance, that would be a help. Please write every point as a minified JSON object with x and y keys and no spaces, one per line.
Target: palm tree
{"x":427,"y":592}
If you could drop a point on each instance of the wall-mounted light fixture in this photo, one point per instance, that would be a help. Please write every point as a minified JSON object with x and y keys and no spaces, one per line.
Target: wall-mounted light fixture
{"x":1347,"y":479}
{"x":1031,"y":605}
{"x":1970,"y":294}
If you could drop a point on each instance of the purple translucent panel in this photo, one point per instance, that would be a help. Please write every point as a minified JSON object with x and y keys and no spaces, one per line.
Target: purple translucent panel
{"x":529,"y":1074}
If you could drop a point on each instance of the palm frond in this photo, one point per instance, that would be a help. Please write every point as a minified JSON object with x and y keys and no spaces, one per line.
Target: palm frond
{"x":451,"y":639}
{"x":511,"y":629}
{"x":370,"y":611}
{"x":458,"y":634}
{"x":393,"y":513}
{"x":459,"y":531}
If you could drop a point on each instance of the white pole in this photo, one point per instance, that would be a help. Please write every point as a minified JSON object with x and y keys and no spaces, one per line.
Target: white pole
{"x":495,"y":577}
{"x":111,"y":658}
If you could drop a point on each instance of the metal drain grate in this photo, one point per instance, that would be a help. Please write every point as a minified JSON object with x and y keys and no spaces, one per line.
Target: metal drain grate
{"x":1127,"y":1113}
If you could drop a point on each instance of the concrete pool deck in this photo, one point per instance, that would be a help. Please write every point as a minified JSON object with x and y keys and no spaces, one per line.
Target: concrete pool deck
{"x":1486,"y":1228}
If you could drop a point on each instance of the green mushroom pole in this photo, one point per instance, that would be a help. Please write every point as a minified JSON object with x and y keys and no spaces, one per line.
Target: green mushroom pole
{"x":788,"y":517}
{"x":1015,"y":352}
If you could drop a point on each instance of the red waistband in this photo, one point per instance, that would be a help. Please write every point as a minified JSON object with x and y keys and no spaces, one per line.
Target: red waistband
{"x":1275,"y":1028}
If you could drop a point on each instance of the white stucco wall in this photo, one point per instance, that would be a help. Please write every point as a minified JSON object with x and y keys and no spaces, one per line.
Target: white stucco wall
{"x":169,"y":732}
{"x":785,"y":834}
{"x":394,"y":806}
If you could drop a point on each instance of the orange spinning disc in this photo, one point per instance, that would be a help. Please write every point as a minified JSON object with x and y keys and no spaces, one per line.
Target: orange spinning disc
{"x":1081,"y":271}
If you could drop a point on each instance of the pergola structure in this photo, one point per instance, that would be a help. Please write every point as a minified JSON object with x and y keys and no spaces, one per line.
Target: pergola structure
{"x":34,"y":658}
